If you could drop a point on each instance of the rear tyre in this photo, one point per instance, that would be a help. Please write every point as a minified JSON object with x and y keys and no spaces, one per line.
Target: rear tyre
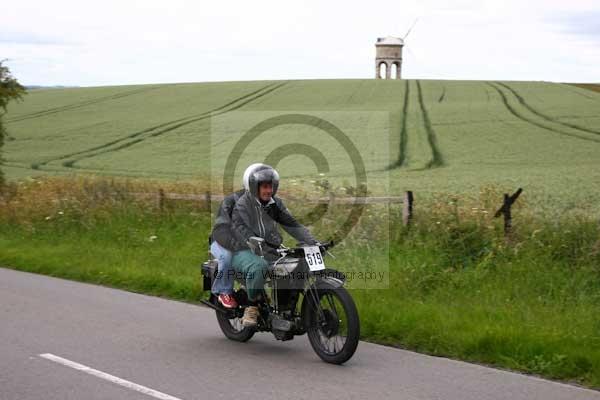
{"x":333,"y":327}
{"x":232,"y":328}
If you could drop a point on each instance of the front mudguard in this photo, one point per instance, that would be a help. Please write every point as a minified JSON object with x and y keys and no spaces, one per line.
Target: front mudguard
{"x":329,"y":281}
{"x":331,"y":277}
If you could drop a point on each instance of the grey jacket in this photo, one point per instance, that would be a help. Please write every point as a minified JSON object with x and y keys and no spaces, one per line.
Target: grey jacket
{"x":221,"y":231}
{"x":252,"y":218}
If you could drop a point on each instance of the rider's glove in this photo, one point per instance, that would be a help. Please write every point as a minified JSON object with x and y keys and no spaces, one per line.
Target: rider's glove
{"x":251,"y":245}
{"x":270,"y":250}
{"x":310,"y":243}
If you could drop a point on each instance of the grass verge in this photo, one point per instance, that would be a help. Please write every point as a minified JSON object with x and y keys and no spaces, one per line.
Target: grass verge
{"x":456,"y":287}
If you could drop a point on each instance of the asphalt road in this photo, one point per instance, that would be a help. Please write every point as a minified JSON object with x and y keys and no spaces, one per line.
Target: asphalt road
{"x":177,"y":350}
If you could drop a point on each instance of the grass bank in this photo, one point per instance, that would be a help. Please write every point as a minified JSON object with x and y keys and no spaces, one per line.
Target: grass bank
{"x":456,"y":288}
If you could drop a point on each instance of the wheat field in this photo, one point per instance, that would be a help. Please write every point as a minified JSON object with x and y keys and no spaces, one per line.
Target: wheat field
{"x":422,"y":135}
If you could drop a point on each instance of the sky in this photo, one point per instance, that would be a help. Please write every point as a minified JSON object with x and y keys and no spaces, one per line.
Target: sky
{"x":116,"y":42}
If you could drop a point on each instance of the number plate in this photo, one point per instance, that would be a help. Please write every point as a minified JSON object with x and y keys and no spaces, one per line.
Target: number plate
{"x":314,"y":259}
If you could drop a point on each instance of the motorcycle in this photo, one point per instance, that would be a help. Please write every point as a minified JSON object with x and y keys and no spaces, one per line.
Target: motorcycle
{"x":300,"y":296}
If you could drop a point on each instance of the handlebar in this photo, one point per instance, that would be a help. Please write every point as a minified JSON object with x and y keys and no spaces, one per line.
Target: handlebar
{"x":299,"y":251}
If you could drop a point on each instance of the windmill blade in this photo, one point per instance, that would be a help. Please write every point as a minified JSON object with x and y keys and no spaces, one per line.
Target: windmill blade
{"x":410,"y":29}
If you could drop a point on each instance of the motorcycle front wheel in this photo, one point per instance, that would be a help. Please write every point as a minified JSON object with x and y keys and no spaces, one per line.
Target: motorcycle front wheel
{"x":333,"y":325}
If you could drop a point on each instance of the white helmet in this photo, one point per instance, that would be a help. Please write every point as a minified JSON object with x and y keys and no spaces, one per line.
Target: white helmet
{"x":257,"y":173}
{"x":247,"y":174}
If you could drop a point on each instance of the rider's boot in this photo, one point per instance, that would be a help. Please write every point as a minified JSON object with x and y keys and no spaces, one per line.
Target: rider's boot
{"x":249,"y":319}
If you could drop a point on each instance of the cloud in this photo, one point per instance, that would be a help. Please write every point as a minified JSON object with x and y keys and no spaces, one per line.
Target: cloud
{"x":29,"y":38}
{"x":121,"y":42}
{"x":585,"y":24}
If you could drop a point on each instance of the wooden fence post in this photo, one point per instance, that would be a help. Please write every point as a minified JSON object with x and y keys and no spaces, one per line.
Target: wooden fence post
{"x":407,"y":209}
{"x":596,"y":248}
{"x":160,"y":201}
{"x":331,"y":200}
{"x":208,"y":199}
{"x":506,"y":211}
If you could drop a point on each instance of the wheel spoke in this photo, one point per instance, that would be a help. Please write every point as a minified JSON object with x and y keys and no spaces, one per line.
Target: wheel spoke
{"x":331,"y":302}
{"x":342,"y":340}
{"x":323,"y":339}
{"x":236,"y":324}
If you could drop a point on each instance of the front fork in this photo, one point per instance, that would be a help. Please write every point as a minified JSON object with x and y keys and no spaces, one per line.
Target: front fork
{"x":312,"y":302}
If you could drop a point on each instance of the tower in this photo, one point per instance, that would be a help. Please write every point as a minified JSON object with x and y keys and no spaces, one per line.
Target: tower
{"x":388,"y":53}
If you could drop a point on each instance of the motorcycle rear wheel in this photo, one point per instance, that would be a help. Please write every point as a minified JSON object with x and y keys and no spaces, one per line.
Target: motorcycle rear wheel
{"x":232,"y":328}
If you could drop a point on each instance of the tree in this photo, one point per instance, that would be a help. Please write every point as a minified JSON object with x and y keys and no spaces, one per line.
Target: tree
{"x":10,"y":89}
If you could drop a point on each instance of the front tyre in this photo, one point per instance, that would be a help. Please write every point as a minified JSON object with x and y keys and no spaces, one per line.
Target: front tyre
{"x":333,"y":326}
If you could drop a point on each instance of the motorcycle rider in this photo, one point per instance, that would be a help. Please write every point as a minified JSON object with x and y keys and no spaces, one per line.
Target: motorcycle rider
{"x":256,"y":214}
{"x":222,"y":243}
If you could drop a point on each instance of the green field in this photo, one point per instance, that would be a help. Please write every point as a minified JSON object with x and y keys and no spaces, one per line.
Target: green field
{"x":455,"y":286}
{"x":427,"y":136}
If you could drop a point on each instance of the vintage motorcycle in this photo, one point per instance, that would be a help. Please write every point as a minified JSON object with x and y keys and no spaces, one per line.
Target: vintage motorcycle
{"x":301,"y":296}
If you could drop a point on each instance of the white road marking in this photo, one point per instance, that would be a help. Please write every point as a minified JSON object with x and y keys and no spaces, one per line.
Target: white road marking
{"x":108,"y":377}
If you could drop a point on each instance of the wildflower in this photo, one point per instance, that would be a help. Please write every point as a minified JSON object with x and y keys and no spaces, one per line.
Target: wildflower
{"x":152,"y":238}
{"x":48,"y":218}
{"x":321,"y":174}
{"x":60,"y":213}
